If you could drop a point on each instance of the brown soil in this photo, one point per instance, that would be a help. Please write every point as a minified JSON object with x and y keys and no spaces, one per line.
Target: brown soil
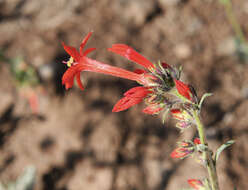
{"x":76,"y":142}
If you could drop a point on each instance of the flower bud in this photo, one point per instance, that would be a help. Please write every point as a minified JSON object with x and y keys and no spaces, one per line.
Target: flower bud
{"x":181,"y":115}
{"x":197,"y":141}
{"x":196,"y":184}
{"x":184,"y":118}
{"x":185,"y":149}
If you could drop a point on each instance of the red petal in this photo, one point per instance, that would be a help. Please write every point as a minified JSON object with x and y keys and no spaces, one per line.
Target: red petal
{"x":139,"y":71}
{"x":175,"y":111}
{"x":88,"y":51}
{"x":183,"y":89}
{"x":79,"y":81}
{"x":84,"y":42}
{"x":68,"y":77}
{"x":132,"y":97}
{"x":131,"y":54}
{"x":72,"y":52}
{"x":126,"y":103}
{"x":137,"y":92}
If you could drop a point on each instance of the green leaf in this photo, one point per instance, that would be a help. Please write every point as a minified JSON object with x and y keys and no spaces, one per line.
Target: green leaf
{"x":221,"y":148}
{"x":203,"y":98}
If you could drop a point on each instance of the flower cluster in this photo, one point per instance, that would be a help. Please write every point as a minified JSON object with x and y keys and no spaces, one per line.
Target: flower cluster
{"x":158,"y":82}
{"x":159,"y":86}
{"x":185,"y":148}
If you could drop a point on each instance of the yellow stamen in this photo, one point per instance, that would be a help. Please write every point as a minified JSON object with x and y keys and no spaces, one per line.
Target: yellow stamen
{"x":69,"y":62}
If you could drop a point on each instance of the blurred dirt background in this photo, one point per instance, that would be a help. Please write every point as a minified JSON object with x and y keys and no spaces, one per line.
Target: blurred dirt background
{"x":75,"y":141}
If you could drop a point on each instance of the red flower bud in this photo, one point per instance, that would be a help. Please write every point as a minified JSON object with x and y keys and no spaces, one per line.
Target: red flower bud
{"x":185,"y":149}
{"x":197,"y":141}
{"x":196,"y":184}
{"x":183,"y":89}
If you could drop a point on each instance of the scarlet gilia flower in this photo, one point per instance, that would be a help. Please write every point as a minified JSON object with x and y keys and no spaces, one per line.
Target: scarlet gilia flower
{"x":79,"y":62}
{"x":196,"y":184}
{"x":186,"y":148}
{"x":156,"y":79}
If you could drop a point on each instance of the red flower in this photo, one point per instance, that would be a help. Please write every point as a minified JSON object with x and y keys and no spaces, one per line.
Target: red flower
{"x":196,"y":184}
{"x":79,"y":62}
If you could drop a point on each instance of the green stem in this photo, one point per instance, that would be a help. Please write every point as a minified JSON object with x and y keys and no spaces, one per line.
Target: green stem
{"x":207,"y":154}
{"x":233,"y":21}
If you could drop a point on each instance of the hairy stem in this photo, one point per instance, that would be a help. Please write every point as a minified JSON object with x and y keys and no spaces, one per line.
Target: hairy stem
{"x":207,"y":154}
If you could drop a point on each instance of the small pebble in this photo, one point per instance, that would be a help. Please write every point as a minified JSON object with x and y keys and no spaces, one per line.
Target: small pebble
{"x":226,"y":47}
{"x":182,"y":51}
{"x":46,"y":72}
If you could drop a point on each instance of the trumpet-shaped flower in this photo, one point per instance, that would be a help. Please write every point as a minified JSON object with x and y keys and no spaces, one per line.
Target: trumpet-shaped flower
{"x":80,"y":62}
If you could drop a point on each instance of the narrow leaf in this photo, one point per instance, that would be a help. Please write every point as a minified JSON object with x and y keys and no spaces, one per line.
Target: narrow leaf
{"x":203,"y":98}
{"x":221,"y":148}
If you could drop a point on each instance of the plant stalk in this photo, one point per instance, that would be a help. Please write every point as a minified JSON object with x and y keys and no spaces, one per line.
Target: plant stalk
{"x":207,"y":153}
{"x":233,"y":21}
